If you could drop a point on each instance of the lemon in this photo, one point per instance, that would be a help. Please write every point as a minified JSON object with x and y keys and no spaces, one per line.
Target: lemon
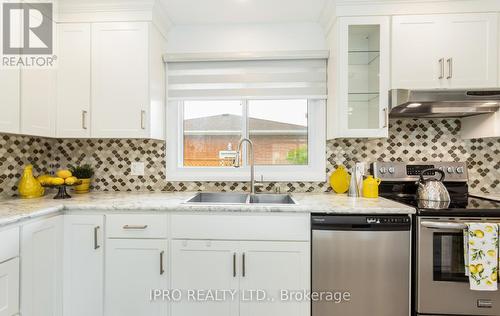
{"x":489,"y":229}
{"x":494,"y":276}
{"x":479,"y":233}
{"x":488,"y":282}
{"x":472,"y":269}
{"x":479,"y":268}
{"x":64,"y":174}
{"x":57,"y":181}
{"x":70,"y":180}
{"x":491,"y":253}
{"x":44,"y":179}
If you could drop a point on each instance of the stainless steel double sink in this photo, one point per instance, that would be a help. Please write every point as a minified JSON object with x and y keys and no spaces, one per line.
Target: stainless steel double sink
{"x":241,"y":198}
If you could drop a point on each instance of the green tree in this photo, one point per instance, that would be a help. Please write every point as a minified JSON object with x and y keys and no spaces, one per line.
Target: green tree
{"x":297,"y":156}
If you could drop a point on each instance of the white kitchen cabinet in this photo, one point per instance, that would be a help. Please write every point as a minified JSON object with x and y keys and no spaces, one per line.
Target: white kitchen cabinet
{"x":124,"y":101}
{"x":242,"y":267}
{"x":9,"y":287}
{"x":203,"y":265}
{"x":38,"y":102}
{"x":134,"y":267}
{"x":275,"y":266}
{"x":73,"y":80}
{"x":358,"y":100}
{"x":83,"y":265}
{"x":10,"y":105}
{"x":445,"y":51}
{"x":41,"y":267}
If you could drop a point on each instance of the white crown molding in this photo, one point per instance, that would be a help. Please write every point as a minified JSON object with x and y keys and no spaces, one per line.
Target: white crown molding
{"x":403,"y":7}
{"x":92,"y":11}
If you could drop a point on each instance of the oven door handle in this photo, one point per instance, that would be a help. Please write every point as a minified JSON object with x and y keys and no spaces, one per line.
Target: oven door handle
{"x":443,"y":225}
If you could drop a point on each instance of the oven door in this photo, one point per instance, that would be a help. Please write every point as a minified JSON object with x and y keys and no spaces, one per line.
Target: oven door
{"x":442,"y":287}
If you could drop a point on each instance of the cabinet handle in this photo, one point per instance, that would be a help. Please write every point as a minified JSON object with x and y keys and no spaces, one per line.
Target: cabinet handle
{"x":243,"y":268}
{"x":161,"y":262}
{"x":450,"y":68}
{"x":386,"y":118}
{"x":84,"y":119}
{"x":234,"y":264}
{"x":143,"y":119}
{"x":441,"y":67}
{"x":135,"y":226}
{"x":96,"y":245}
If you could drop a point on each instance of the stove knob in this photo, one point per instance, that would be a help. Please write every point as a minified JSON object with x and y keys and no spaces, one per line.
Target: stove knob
{"x":460,"y":170}
{"x":450,"y":170}
{"x":392,"y":170}
{"x":383,"y":170}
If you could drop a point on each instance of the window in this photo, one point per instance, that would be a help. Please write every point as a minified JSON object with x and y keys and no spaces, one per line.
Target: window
{"x":278,"y":103}
{"x":288,"y":137}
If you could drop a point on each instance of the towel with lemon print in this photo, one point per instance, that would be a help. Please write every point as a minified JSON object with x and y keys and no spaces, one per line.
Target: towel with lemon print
{"x":481,"y":256}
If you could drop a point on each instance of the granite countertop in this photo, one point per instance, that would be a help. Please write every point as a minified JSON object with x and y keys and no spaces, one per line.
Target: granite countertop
{"x":15,"y":210}
{"x":490,"y":196}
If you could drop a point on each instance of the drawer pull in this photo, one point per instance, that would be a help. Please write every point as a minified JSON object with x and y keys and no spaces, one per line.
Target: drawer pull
{"x":135,"y":227}
{"x":243,"y":268}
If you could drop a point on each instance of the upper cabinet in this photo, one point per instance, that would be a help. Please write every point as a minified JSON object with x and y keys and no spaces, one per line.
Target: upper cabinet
{"x":73,"y":80}
{"x":38,"y":102}
{"x":445,"y":51}
{"x":9,"y":100}
{"x":359,"y":78}
{"x":111,"y":80}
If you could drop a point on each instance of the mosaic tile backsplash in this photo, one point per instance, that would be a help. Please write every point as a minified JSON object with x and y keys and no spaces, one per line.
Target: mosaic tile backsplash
{"x":409,"y":140}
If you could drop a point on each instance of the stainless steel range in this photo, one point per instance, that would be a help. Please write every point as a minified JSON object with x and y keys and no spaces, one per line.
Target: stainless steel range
{"x":441,"y":285}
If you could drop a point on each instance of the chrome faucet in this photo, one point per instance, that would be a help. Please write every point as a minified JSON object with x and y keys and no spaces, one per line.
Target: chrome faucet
{"x":237,"y":162}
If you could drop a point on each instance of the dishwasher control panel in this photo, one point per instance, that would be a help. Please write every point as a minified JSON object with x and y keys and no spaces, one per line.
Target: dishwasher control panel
{"x":387,"y":220}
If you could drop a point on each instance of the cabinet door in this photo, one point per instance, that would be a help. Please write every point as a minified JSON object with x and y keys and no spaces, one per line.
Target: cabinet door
{"x":38,"y":110}
{"x":273,"y":266}
{"x":205,"y":264}
{"x":83,"y":265}
{"x":472,"y":45}
{"x":418,"y":58}
{"x":9,"y":287}
{"x":9,"y":100}
{"x":363,"y":76}
{"x":41,"y":266}
{"x":120,"y":79}
{"x":73,"y":80}
{"x":133,"y":269}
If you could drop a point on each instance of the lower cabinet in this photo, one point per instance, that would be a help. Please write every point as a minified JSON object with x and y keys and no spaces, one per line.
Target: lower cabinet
{"x":83,"y":277}
{"x":134,"y":267}
{"x":204,"y":264}
{"x":247,"y":268}
{"x":41,"y":266}
{"x":9,"y":287}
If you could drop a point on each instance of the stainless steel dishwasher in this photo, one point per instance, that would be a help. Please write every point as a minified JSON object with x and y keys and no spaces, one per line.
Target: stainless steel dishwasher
{"x":365,"y":256}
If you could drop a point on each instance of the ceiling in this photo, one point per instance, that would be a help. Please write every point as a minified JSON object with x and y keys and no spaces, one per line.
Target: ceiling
{"x":183,"y":12}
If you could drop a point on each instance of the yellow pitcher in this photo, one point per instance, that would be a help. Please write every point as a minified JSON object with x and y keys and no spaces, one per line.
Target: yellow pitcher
{"x":370,"y":187}
{"x":29,"y":187}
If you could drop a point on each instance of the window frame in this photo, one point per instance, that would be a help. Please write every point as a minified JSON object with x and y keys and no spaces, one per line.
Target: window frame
{"x":315,"y":170}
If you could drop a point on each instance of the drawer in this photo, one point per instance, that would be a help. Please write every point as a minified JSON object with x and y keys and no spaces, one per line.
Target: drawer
{"x":136,"y":226}
{"x":9,"y":247}
{"x":242,"y":226}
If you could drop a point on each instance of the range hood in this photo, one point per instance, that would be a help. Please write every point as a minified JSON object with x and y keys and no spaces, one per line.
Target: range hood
{"x":443,"y":102}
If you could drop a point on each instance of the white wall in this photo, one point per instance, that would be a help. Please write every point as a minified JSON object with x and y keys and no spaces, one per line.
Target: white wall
{"x":246,"y":38}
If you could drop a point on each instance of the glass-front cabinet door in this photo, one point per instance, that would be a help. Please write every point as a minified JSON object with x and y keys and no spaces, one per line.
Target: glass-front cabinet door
{"x":361,"y":97}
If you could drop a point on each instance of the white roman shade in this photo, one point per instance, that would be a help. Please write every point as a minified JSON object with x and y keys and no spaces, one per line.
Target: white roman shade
{"x":287,"y":78}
